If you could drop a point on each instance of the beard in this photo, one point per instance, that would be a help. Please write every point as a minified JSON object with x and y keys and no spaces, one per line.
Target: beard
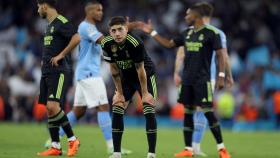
{"x":43,"y":15}
{"x":190,"y":22}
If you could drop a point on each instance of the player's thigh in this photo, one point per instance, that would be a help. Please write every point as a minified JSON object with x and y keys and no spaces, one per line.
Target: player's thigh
{"x":128,"y":90}
{"x":79,"y":98}
{"x":94,"y":91}
{"x":57,"y":84}
{"x":186,"y":96}
{"x":152,"y":85}
{"x":43,"y":95}
{"x":203,"y":95}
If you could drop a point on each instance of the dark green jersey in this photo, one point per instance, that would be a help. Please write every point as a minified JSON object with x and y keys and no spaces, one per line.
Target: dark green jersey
{"x":57,"y":36}
{"x":126,"y":55}
{"x":199,"y":46}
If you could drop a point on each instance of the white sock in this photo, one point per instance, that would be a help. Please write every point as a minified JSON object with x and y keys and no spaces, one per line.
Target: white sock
{"x":189,"y":148}
{"x":110,"y":144}
{"x":151,"y":155}
{"x":196,"y":147}
{"x":56,"y":145}
{"x":72,"y":138}
{"x":117,"y":154}
{"x":220,"y":146}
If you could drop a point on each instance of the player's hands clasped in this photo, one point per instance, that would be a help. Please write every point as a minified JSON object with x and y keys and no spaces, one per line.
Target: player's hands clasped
{"x":229,"y":81}
{"x":118,"y":98}
{"x":54,"y":61}
{"x":148,"y":98}
{"x":147,"y":27}
{"x":177,"y":79}
{"x":220,"y":83}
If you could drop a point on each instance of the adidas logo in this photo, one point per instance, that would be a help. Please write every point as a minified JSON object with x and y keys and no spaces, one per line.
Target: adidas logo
{"x":204,"y":100}
{"x":51,"y":96}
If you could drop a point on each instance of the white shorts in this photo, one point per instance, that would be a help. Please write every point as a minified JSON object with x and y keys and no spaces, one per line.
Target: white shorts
{"x":213,"y":82}
{"x":90,"y":92}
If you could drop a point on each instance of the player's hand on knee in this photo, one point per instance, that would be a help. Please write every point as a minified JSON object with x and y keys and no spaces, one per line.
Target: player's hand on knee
{"x":118,"y":99}
{"x":148,"y":98}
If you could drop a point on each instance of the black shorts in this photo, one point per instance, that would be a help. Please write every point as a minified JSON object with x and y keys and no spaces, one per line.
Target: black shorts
{"x":196,"y":95}
{"x":130,"y":87}
{"x":53,"y":87}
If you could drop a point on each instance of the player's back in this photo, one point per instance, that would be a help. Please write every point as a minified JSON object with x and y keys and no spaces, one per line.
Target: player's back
{"x":89,"y":57}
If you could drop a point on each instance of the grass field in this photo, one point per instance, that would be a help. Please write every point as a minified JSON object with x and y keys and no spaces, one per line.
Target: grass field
{"x":25,"y":140}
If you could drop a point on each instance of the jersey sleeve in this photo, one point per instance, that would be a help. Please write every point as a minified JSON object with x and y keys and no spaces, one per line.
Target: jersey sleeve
{"x":180,"y":39}
{"x":67,"y":30}
{"x":223,"y":39}
{"x":217,"y":42}
{"x":138,"y":54}
{"x":106,"y":46}
{"x":89,"y":32}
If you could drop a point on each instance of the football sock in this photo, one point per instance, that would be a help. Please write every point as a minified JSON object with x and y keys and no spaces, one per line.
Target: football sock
{"x":199,"y":126}
{"x":151,"y":126}
{"x":64,"y":123}
{"x":188,"y":127}
{"x":53,"y":126}
{"x":117,"y":127}
{"x":214,"y":126}
{"x":72,"y":120}
{"x":105,"y":123}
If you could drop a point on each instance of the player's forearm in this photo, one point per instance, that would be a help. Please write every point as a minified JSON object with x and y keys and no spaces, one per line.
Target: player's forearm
{"x":75,"y":40}
{"x":142,"y":77}
{"x":116,"y":78}
{"x":221,"y":63}
{"x":163,"y":41}
{"x":179,"y":59}
{"x":227,"y":65}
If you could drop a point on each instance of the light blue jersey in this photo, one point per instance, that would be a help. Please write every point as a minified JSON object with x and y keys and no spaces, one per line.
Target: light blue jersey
{"x":89,"y":58}
{"x":213,"y":61}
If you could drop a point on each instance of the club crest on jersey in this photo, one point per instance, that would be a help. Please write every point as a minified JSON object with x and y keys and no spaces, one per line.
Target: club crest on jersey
{"x":201,"y":37}
{"x":127,"y":54}
{"x":114,"y":48}
{"x":52,"y":29}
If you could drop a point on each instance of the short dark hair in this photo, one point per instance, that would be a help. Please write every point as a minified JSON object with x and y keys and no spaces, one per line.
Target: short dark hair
{"x":207,"y":8}
{"x":117,"y":20}
{"x":91,"y":2}
{"x":51,"y":3}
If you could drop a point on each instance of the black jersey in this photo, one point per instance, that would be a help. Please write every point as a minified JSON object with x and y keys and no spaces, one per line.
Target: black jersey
{"x":57,"y":36}
{"x":199,"y":46}
{"x":126,"y":55}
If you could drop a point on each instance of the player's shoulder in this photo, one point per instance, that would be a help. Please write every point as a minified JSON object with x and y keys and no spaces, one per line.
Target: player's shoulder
{"x":188,"y":30}
{"x":62,"y":19}
{"x":107,"y":40}
{"x":213,"y":29}
{"x":134,"y":40}
{"x":86,"y":27}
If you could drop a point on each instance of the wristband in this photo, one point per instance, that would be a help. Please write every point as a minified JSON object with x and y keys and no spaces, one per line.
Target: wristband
{"x":153,"y":33}
{"x":222,"y":74}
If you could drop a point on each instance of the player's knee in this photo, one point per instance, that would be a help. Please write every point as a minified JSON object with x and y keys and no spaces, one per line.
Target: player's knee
{"x":53,"y":108}
{"x":148,"y":109}
{"x":79,"y":112}
{"x":103,"y":108}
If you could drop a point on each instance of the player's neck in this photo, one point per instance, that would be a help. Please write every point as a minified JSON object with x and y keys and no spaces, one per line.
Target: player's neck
{"x":198,"y":25}
{"x":52,"y":14}
{"x":90,"y":20}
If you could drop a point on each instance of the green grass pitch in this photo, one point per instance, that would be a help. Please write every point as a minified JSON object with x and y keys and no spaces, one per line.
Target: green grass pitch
{"x":25,"y":140}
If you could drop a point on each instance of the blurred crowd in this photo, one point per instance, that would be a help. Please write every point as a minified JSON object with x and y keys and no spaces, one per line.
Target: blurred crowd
{"x":251,"y":26}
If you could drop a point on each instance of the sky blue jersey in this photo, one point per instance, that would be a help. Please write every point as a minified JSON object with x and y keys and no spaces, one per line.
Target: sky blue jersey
{"x":89,"y":58}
